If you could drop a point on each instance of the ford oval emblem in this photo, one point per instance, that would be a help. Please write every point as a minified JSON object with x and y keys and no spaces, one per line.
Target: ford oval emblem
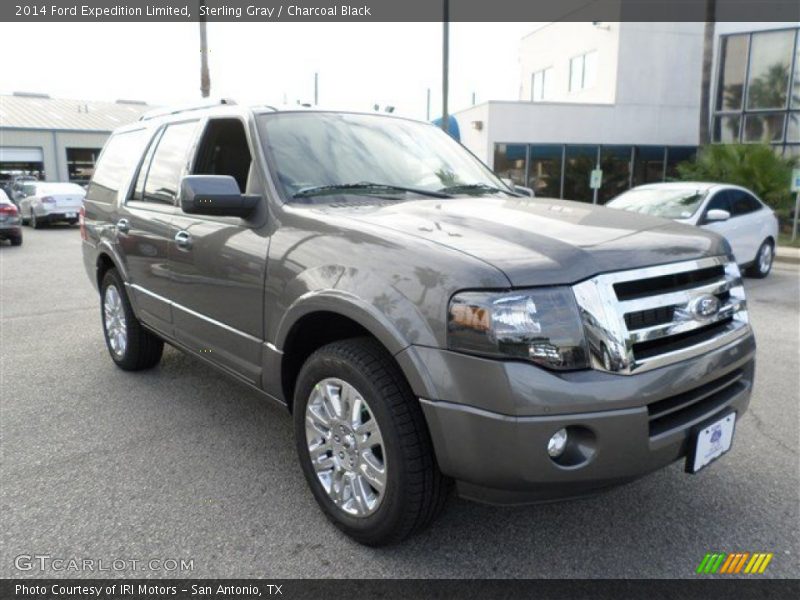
{"x":704,"y":307}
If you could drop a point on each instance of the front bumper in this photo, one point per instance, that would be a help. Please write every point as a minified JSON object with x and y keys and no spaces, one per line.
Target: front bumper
{"x":492,"y":420}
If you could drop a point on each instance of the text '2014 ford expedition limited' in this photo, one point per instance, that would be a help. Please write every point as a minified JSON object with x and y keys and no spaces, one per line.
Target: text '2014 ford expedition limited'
{"x":423,"y":323}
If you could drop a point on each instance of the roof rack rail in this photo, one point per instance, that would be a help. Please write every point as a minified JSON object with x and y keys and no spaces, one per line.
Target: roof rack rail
{"x":163,"y":112}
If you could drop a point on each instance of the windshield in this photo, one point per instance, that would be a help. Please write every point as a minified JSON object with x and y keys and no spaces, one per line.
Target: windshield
{"x":672,"y":203}
{"x":324,"y":150}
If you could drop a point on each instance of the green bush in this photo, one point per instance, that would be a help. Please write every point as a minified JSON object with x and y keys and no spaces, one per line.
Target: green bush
{"x":754,"y":166}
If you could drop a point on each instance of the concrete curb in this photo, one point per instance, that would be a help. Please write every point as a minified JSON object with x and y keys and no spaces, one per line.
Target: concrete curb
{"x":786,"y":254}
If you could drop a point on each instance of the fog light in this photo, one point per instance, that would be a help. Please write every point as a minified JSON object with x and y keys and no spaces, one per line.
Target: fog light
{"x":557,"y":443}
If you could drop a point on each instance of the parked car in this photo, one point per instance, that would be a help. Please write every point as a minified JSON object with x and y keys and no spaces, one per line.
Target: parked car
{"x":10,"y":228}
{"x":421,"y":322}
{"x":748,"y":224}
{"x":17,"y":184}
{"x":45,"y":203}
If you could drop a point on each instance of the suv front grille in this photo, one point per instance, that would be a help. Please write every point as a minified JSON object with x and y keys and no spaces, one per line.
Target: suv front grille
{"x":689,"y":408}
{"x":641,"y":288}
{"x":647,"y":318}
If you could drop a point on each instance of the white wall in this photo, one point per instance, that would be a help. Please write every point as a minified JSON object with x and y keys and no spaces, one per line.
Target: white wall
{"x":554,"y":44}
{"x":553,"y":123}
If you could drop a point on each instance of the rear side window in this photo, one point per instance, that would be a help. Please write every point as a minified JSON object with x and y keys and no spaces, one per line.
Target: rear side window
{"x":743,"y":203}
{"x":169,"y":160}
{"x":119,"y":155}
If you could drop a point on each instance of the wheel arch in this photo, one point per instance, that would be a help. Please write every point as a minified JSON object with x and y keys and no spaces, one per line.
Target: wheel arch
{"x":323,"y":318}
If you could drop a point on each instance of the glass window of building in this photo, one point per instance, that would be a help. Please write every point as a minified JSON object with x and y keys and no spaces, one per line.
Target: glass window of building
{"x":583,"y":71}
{"x":763,"y":128}
{"x":509,"y":162}
{"x":580,"y":160}
{"x":615,"y":161}
{"x":770,"y":64}
{"x":648,"y":164}
{"x":732,"y":66}
{"x":726,"y":128}
{"x":544,"y":172}
{"x":795,"y":102}
{"x":540,"y":84}
{"x":675,"y":156}
{"x":793,"y":128}
{"x":758,"y":88}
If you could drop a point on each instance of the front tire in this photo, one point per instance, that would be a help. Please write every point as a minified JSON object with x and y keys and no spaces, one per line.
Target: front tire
{"x":130,"y":345}
{"x":763,"y":262}
{"x":363,"y":443}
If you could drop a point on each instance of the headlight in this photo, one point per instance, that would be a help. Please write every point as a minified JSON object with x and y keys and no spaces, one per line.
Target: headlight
{"x":541,"y":325}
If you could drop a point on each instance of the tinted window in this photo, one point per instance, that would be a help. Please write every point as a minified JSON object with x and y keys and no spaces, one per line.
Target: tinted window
{"x":719,"y":202}
{"x":119,"y":155}
{"x":742,"y":203}
{"x":163,"y":177}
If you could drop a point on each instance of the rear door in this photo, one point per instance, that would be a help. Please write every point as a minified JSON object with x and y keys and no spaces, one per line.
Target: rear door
{"x":730,"y":229}
{"x":218,"y":264}
{"x":144,"y":228}
{"x":751,"y":222}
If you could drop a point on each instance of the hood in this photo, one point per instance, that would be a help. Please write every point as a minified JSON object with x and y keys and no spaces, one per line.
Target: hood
{"x":539,"y":241}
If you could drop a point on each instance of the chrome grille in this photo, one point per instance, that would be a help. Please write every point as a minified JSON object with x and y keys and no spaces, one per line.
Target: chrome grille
{"x":647,"y":318}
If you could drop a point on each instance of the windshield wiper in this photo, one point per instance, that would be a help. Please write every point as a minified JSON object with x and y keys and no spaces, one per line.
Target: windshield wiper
{"x":467,"y":188}
{"x":364,"y":186}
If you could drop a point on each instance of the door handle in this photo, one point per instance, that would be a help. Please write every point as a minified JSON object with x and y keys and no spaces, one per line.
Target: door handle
{"x":183,"y":239}
{"x":123,"y":225}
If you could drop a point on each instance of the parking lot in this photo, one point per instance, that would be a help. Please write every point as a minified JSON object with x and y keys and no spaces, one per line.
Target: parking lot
{"x":181,"y":462}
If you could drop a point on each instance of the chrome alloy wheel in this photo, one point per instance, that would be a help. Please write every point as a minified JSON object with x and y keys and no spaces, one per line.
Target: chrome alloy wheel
{"x":765,"y":258}
{"x":114,"y":320}
{"x":346,"y":447}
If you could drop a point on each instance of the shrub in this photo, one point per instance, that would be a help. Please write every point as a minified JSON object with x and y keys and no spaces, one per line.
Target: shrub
{"x":754,"y":166}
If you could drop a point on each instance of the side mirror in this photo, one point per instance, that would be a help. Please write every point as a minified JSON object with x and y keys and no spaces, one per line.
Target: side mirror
{"x":215,"y":195}
{"x":717,"y":214}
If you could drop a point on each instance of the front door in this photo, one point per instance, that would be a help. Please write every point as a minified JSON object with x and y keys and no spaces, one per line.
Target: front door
{"x":218,"y":264}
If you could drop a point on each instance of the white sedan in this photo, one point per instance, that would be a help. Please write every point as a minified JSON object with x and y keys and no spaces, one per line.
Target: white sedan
{"x":50,"y":202}
{"x":735,"y":212}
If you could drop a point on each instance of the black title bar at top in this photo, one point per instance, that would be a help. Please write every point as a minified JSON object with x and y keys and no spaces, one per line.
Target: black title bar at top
{"x":393,"y":10}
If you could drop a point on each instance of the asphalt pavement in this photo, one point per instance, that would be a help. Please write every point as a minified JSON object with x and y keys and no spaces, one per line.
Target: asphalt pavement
{"x":182,"y":463}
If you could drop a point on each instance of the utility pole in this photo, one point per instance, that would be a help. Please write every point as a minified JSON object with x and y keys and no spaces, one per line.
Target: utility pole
{"x":316,"y":88}
{"x":205,"y":78}
{"x":445,"y":65}
{"x":428,"y":106}
{"x":705,"y":82}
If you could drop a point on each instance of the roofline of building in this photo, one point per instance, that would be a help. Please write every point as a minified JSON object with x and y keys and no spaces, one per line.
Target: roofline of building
{"x":54,"y":129}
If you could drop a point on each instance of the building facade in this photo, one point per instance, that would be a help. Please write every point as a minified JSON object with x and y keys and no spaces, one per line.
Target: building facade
{"x":625,"y":97}
{"x":57,"y":139}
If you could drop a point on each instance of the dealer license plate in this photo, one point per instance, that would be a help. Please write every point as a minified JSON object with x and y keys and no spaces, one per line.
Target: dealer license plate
{"x":711,"y":442}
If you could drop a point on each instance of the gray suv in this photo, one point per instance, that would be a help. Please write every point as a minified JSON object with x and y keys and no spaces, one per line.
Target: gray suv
{"x":426,"y":326}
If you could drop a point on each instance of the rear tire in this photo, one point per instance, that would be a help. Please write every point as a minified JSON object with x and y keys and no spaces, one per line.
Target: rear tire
{"x":413,"y":491}
{"x":762,"y":265}
{"x":16,"y":241}
{"x":130,"y":345}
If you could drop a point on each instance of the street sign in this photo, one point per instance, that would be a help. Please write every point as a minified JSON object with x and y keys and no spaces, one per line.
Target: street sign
{"x":796,"y":180}
{"x":596,"y":179}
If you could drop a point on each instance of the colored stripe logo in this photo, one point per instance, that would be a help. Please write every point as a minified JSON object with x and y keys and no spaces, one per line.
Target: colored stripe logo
{"x":735,"y":563}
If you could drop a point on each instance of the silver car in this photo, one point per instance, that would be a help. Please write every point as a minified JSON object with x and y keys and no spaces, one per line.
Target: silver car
{"x":50,"y":202}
